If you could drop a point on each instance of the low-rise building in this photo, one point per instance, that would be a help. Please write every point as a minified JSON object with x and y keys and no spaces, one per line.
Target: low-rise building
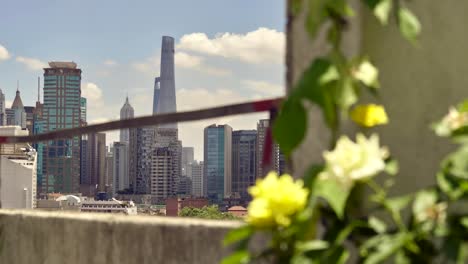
{"x":111,"y":206}
{"x":175,"y":205}
{"x":18,"y":163}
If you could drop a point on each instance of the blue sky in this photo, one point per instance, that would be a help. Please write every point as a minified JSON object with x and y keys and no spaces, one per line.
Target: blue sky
{"x":227,"y":51}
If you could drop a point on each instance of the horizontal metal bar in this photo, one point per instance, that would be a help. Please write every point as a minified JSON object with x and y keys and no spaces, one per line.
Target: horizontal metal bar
{"x":233,"y":109}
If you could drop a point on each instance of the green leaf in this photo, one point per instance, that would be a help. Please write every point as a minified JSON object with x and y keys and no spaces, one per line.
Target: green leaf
{"x":401,"y":258}
{"x":290,"y":126}
{"x":381,"y":9}
{"x":464,"y":222}
{"x":463,"y":106}
{"x":341,"y":7}
{"x":378,"y":225}
{"x":455,"y":250}
{"x":388,"y":246}
{"x":367,"y":74}
{"x":392,"y":167}
{"x":311,"y":245}
{"x":339,"y":255}
{"x":398,"y":203}
{"x":334,"y":193}
{"x":238,"y":257}
{"x":409,"y":25}
{"x":316,"y":16}
{"x":457,"y":163}
{"x":345,"y":93}
{"x":314,"y":86}
{"x":237,"y":235}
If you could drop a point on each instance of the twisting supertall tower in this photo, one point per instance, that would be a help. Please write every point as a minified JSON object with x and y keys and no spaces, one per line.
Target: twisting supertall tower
{"x":165,"y":98}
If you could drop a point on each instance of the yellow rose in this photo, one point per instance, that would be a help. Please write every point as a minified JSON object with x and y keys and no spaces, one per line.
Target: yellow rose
{"x":369,"y":115}
{"x":275,"y":200}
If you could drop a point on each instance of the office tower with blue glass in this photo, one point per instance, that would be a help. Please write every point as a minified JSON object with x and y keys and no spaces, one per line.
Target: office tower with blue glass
{"x":217,"y":162}
{"x":61,"y":110}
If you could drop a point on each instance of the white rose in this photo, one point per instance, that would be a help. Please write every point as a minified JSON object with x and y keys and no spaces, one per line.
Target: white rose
{"x":351,"y":161}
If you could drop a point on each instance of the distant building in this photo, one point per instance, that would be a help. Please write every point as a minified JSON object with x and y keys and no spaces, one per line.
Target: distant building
{"x":238,"y":211}
{"x":30,"y":111}
{"x":126,"y":112}
{"x":121,"y":180}
{"x":187,"y":159}
{"x":3,"y":116}
{"x":277,"y":162}
{"x":111,"y":206}
{"x":10,"y":117}
{"x":62,"y":110}
{"x":141,"y":147}
{"x":197,"y":178}
{"x":95,"y":176}
{"x":218,"y":162}
{"x":244,"y":161}
{"x":110,"y":171}
{"x":164,"y":173}
{"x":175,"y":205}
{"x":83,"y":110}
{"x":17,"y":171}
{"x":18,"y":109}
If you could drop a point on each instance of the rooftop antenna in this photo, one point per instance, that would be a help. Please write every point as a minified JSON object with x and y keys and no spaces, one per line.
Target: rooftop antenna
{"x":17,"y":85}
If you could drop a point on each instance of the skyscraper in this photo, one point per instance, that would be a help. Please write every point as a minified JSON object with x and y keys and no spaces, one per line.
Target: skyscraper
{"x":83,"y":107}
{"x":126,"y":112}
{"x":244,"y":144}
{"x":166,"y":101}
{"x":197,"y":178}
{"x":120,"y":179}
{"x":2,"y":109}
{"x":18,"y":108}
{"x":141,"y":147}
{"x":62,"y":92}
{"x":277,"y":162}
{"x":95,"y":176}
{"x":218,"y":162}
{"x":187,"y":159}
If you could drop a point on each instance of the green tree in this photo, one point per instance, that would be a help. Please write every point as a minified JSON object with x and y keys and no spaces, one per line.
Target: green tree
{"x":207,"y":212}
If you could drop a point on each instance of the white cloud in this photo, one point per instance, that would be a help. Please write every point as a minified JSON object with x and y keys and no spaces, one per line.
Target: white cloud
{"x":265,"y":88}
{"x":261,"y":46}
{"x":91,"y":92}
{"x":32,"y":63}
{"x":8,"y":103}
{"x":182,"y":60}
{"x":187,"y":61}
{"x":110,"y":63}
{"x":4,"y":54}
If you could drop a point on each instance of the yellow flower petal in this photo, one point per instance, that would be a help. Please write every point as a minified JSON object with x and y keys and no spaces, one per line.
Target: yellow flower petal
{"x":369,"y":115}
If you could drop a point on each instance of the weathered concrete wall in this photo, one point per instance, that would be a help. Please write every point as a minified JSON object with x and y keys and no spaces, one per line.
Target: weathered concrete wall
{"x":74,"y":238}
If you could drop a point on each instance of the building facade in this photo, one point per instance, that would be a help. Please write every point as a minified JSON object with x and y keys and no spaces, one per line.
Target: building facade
{"x":141,"y":147}
{"x":217,"y":162}
{"x":62,"y":93}
{"x":187,"y":159}
{"x":277,"y":162}
{"x":126,"y":112}
{"x":19,"y":112}
{"x":18,"y":164}
{"x":197,"y":178}
{"x":2,"y":109}
{"x":244,"y":161}
{"x":121,"y":180}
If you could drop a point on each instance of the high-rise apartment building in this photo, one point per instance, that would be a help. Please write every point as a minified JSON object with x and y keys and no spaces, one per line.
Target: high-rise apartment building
{"x":164,"y":172}
{"x":126,"y":112}
{"x":109,"y":170}
{"x":121,"y":180}
{"x":244,"y":161}
{"x":62,"y":93}
{"x":197,"y":178}
{"x":141,"y":147}
{"x":218,"y":162}
{"x":83,"y":110}
{"x":17,"y":172}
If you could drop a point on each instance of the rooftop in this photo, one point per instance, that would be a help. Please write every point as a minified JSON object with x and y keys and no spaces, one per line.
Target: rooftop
{"x":62,"y":64}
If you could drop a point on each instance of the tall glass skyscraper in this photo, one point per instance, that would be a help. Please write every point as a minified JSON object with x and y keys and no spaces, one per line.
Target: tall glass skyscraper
{"x":218,"y":162}
{"x":62,"y":110}
{"x":244,"y":165}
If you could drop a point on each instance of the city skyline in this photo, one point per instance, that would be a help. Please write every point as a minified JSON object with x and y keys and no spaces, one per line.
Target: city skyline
{"x":112,"y":68}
